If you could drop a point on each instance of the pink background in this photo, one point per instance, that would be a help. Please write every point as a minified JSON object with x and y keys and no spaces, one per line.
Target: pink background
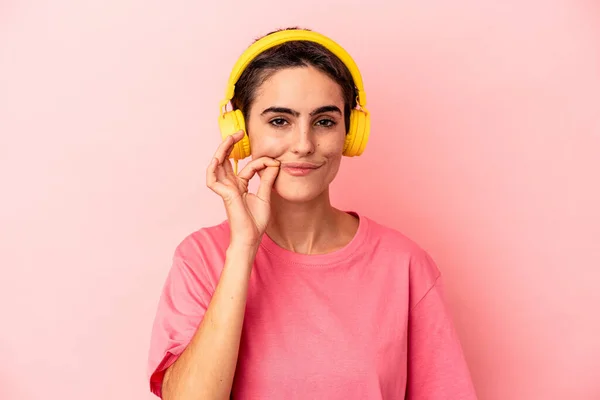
{"x":484,"y":149}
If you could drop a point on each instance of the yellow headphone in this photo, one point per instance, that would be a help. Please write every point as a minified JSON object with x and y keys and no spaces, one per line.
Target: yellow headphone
{"x":231,"y":122}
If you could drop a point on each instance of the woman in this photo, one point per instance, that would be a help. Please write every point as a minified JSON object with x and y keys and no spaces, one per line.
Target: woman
{"x":291,"y":298}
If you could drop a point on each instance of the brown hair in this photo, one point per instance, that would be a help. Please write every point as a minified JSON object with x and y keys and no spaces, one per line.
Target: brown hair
{"x":292,"y":55}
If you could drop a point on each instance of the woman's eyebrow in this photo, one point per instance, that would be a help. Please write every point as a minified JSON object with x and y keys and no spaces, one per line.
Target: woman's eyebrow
{"x":285,"y":110}
{"x":280,"y":110}
{"x":325,"y":109}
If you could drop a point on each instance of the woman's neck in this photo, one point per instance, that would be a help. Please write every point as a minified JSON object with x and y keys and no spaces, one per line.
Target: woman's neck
{"x":313,"y":227}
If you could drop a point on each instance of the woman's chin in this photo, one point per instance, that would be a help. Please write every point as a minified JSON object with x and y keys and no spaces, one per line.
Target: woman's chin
{"x":295,"y":193}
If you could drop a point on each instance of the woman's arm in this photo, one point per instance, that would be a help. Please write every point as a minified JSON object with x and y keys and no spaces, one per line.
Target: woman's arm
{"x":206,"y":368}
{"x":437,"y":368}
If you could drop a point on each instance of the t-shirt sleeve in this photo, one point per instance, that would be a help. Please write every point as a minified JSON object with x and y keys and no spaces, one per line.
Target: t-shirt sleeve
{"x":437,"y":369}
{"x":184,"y":299}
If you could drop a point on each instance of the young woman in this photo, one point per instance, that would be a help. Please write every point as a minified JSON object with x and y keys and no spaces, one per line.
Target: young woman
{"x":291,"y":298}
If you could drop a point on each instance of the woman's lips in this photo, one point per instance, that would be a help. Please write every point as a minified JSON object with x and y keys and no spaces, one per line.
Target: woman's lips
{"x":299,"y":168}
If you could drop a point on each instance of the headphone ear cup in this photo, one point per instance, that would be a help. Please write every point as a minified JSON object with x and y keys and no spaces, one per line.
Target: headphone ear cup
{"x":358,"y":134}
{"x":230,"y":123}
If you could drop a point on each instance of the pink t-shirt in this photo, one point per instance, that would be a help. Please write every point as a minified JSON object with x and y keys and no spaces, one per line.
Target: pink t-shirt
{"x":365,"y":322}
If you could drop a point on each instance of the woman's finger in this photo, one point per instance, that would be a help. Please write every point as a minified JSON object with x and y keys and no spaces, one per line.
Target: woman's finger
{"x":226,"y":146}
{"x":228,"y":167}
{"x":213,"y":181}
{"x":267,"y":180}
{"x":257,"y":165}
{"x":211,"y":172}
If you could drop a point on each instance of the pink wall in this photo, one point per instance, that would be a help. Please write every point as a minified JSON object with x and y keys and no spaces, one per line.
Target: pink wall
{"x":486,"y":133}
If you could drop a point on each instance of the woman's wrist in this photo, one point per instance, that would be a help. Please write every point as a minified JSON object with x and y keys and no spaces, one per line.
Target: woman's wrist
{"x":242,"y":251}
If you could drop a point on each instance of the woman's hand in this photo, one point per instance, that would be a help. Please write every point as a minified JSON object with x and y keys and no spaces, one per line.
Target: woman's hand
{"x":248,"y":213}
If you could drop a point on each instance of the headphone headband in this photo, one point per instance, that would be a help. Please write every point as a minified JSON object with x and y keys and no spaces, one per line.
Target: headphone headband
{"x":280,"y":37}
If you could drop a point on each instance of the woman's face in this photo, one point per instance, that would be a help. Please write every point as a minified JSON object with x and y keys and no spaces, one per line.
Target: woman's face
{"x":297,"y":118}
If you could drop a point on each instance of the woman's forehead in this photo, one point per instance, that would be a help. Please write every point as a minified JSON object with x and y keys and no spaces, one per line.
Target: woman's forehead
{"x":305,"y":88}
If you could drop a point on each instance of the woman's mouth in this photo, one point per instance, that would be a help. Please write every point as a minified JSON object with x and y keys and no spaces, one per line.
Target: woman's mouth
{"x":299,"y":168}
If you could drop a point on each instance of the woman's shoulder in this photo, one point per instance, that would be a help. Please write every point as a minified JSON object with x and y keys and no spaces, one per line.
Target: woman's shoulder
{"x":209,"y":238}
{"x":422,"y":269}
{"x":390,"y":237}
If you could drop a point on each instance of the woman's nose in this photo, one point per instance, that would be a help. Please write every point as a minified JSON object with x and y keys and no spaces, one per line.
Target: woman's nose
{"x":303,"y":141}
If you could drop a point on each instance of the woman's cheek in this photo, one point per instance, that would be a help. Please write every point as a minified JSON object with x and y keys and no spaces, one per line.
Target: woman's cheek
{"x":268,"y":147}
{"x":332,"y":149}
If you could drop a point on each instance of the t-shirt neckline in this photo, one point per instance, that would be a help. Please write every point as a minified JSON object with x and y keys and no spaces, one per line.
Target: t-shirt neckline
{"x":333,"y":257}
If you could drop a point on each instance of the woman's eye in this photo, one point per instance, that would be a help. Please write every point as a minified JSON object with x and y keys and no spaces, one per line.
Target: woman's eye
{"x":278,"y":122}
{"x":327,"y":123}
